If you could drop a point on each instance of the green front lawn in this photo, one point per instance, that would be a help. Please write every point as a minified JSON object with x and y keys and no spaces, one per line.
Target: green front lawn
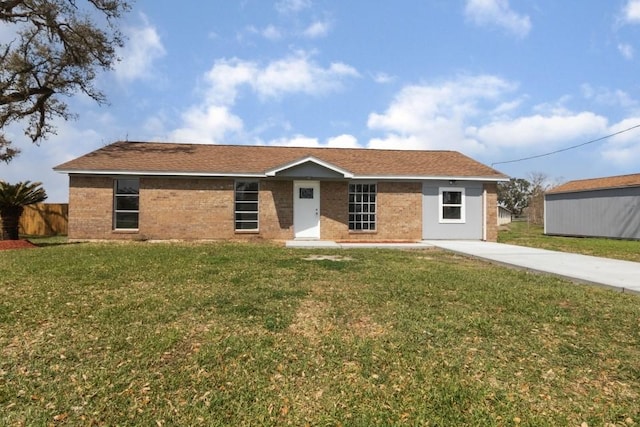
{"x":524,"y":234}
{"x":239,"y":334}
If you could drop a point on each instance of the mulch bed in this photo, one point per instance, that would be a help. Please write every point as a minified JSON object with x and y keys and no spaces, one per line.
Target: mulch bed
{"x":16,"y":244}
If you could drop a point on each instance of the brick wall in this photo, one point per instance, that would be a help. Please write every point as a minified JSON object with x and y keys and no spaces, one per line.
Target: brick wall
{"x":491,"y":212}
{"x":90,"y":207}
{"x":399,"y":212}
{"x":186,"y":208}
{"x":334,"y":210}
{"x":169,"y":209}
{"x":276,"y":210}
{"x":192,"y":208}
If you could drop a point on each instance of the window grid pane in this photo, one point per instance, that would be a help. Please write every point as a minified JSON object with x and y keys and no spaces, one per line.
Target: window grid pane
{"x":126,"y":204}
{"x":362,"y":207}
{"x":452,"y":205}
{"x":246,"y":205}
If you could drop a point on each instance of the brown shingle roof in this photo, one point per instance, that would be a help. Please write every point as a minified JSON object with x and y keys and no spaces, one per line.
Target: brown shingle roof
{"x":632,"y":180}
{"x":211,"y":160}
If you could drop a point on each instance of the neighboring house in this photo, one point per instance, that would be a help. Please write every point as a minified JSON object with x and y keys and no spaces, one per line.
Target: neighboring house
{"x":141,"y":190}
{"x":600,"y":207}
{"x":504,"y":215}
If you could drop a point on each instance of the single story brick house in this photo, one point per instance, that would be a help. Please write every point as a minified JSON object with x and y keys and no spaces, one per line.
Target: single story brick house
{"x":144,"y":190}
{"x":597,"y":207}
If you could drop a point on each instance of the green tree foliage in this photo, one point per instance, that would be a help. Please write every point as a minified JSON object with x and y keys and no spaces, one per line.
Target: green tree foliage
{"x":514,"y":195}
{"x":58,"y":48}
{"x":13,"y":199}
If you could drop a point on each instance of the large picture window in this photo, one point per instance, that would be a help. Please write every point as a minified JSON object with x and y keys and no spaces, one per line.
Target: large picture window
{"x":126,"y":204}
{"x":362,"y":207}
{"x":452,"y":205}
{"x":246,"y":205}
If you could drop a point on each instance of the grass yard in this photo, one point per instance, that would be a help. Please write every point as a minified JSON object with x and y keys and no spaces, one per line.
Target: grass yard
{"x":238,"y":334}
{"x":524,"y":234}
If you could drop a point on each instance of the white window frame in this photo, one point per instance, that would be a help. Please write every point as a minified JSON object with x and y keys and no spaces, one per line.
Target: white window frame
{"x":362,"y":203}
{"x":442,"y":205}
{"x":116,"y":211}
{"x":236,"y":211}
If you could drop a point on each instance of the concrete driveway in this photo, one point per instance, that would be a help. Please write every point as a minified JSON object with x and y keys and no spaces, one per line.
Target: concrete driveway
{"x":622,"y":275}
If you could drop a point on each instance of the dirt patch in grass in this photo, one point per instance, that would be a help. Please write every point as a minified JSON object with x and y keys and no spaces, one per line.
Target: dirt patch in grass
{"x":16,"y":244}
{"x":311,"y":321}
{"x":327,"y":258}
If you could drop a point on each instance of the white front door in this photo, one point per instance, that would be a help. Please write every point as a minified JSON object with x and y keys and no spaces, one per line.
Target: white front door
{"x":306,"y":209}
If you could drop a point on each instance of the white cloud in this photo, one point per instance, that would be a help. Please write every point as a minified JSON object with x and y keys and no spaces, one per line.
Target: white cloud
{"x":608,"y":97}
{"x":141,"y":50}
{"x":631,"y":12}
{"x":624,"y":149}
{"x":343,"y":141}
{"x":626,"y":50}
{"x":225,"y":77}
{"x":296,"y":141}
{"x":9,"y":32}
{"x":207,"y":125}
{"x":213,"y":120}
{"x":435,"y":116}
{"x":35,"y":162}
{"x":497,"y":13}
{"x":296,"y":73}
{"x":292,"y":6}
{"x":317,"y":29}
{"x":382,"y":78}
{"x":340,"y":141}
{"x":477,"y":115}
{"x":272,"y":33}
{"x":538,"y":130}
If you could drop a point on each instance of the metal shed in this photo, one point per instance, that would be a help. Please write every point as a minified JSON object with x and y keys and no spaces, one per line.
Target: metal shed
{"x":598,"y":207}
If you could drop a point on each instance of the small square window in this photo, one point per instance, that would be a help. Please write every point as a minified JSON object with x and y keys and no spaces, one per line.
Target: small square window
{"x":306,"y":193}
{"x":451,"y":205}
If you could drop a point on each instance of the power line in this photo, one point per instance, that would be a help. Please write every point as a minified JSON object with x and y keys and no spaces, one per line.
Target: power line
{"x":567,"y":148}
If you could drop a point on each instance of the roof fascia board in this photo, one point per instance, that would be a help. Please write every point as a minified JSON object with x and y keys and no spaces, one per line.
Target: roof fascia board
{"x":584,"y":190}
{"x":326,"y":165}
{"x":161,"y":173}
{"x":432,"y":178}
{"x":267,"y":175}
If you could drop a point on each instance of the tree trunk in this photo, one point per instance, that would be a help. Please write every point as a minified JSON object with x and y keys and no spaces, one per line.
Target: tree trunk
{"x":10,"y":222}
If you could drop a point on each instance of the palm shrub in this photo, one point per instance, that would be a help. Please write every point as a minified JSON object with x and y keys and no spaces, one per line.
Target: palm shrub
{"x":13,"y":199}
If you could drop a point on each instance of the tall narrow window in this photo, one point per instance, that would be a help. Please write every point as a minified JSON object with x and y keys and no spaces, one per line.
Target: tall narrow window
{"x":362,"y":207}
{"x":246,"y":205}
{"x":452,"y":205}
{"x":126,"y":204}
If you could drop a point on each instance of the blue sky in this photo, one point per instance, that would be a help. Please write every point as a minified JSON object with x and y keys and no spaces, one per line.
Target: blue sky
{"x":495,"y":79}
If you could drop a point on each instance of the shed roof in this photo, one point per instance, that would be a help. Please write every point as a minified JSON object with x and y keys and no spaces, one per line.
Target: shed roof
{"x":247,"y":160}
{"x":620,"y":181}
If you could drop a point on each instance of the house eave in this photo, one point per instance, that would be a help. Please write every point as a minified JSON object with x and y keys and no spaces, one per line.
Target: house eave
{"x":431,"y":178}
{"x":160,"y":173}
{"x":586,"y":190}
{"x":273,"y":173}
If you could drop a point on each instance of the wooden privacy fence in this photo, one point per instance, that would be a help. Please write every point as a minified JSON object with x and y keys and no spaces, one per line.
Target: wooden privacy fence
{"x":45,"y":219}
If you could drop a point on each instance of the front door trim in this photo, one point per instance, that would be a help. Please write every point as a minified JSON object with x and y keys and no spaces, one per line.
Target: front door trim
{"x":306,"y":209}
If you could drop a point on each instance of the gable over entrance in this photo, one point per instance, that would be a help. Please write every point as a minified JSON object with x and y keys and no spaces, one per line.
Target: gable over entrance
{"x":309,"y":167}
